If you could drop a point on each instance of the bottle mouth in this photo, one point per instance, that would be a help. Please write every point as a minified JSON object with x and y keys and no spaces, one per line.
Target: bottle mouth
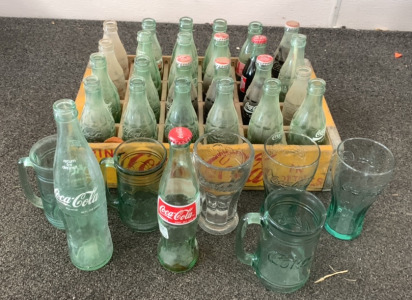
{"x":317,"y":86}
{"x":298,"y":40}
{"x":292,"y":24}
{"x":272,"y":84}
{"x":186,"y":23}
{"x":137,"y":83}
{"x":110,"y":25}
{"x":97,"y":60}
{"x":303,"y":71}
{"x":64,"y":110}
{"x":91,"y":83}
{"x":219,"y":25}
{"x":149,"y":24}
{"x":255,"y":27}
{"x":141,"y":61}
{"x":225,"y":85}
{"x":105,"y":45}
{"x":182,"y":84}
{"x":144,"y":36}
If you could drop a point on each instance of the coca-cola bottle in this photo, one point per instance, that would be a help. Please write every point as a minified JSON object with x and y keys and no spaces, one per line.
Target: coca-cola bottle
{"x":178,"y":206}
{"x":219,"y":25}
{"x":150,"y":25}
{"x":80,"y":192}
{"x":259,"y":47}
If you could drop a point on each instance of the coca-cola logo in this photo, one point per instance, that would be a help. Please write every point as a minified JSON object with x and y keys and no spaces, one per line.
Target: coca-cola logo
{"x":81,"y":200}
{"x":177,"y":215}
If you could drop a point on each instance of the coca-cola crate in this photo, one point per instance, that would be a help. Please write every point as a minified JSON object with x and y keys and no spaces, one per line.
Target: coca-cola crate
{"x":321,"y":180}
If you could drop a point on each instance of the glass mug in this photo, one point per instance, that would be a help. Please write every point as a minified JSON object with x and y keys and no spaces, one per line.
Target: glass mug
{"x":291,"y":223}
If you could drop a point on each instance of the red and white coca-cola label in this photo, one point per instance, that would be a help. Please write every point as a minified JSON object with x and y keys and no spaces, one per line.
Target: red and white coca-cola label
{"x":243,"y":84}
{"x":177,"y":215}
{"x":239,"y":68}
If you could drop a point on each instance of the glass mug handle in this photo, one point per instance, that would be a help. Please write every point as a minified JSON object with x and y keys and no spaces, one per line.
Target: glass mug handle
{"x":249,"y":218}
{"x":105,"y":163}
{"x":23,"y":163}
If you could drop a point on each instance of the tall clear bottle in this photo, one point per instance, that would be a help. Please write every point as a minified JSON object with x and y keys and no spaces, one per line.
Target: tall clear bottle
{"x":183,"y":69}
{"x":142,"y":69}
{"x":150,"y":25}
{"x":222,"y":115}
{"x":295,"y":59}
{"x":139,"y":119}
{"x":182,"y":112}
{"x":254,"y":28}
{"x":80,"y":192}
{"x":186,"y":25}
{"x":254,"y":92}
{"x":296,"y":93}
{"x":178,"y":206}
{"x":113,"y":67}
{"x":109,"y":90}
{"x":96,"y":122}
{"x":282,"y":51}
{"x":110,"y":32}
{"x":267,"y":118}
{"x":144,"y":47}
{"x":219,"y":25}
{"x":310,"y":118}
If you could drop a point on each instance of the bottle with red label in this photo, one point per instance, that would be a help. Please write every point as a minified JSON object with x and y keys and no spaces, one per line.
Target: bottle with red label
{"x":259,"y":47}
{"x":254,"y":28}
{"x":178,"y":206}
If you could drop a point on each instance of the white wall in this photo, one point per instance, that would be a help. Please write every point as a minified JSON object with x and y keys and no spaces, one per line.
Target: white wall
{"x":358,"y":14}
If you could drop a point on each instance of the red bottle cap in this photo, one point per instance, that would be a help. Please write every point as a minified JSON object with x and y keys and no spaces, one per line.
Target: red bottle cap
{"x":184,"y":59}
{"x":221,"y":36}
{"x":264,"y":59}
{"x":259,"y":39}
{"x":222,"y":62}
{"x":292,"y":24}
{"x":180,"y":135}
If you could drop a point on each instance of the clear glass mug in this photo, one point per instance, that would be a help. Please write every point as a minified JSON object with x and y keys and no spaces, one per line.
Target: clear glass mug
{"x":41,"y":158}
{"x":139,"y":165}
{"x":291,"y":222}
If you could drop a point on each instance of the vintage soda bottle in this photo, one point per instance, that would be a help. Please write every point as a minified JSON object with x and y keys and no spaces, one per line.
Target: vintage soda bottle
{"x":222,"y":70}
{"x":110,"y":32}
{"x":296,"y":94}
{"x":259,"y":43}
{"x":80,"y":192}
{"x":221,"y":49}
{"x":142,"y":69}
{"x":109,"y":91}
{"x":186,"y":25}
{"x":178,"y":206}
{"x":222,"y":115}
{"x":183,"y":69}
{"x":254,"y":28}
{"x":254,"y":92}
{"x":139,"y":119}
{"x":267,"y":118}
{"x":113,"y":67}
{"x":295,"y":59}
{"x":96,"y":122}
{"x":282,"y":51}
{"x":150,"y":25}
{"x":144,"y":47}
{"x":219,"y":25}
{"x":310,"y":118}
{"x":182,"y":112}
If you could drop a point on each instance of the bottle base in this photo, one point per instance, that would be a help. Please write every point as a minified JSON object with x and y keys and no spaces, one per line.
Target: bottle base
{"x":96,"y":267}
{"x":345,"y":237}
{"x":218,"y":229}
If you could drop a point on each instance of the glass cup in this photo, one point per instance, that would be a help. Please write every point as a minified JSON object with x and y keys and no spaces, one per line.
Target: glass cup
{"x":41,"y":158}
{"x":361,"y":168}
{"x":290,"y":161}
{"x":291,"y":222}
{"x":139,"y":165}
{"x":222,"y":170}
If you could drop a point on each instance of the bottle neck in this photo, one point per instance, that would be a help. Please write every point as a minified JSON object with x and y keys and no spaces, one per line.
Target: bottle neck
{"x":68,"y":127}
{"x":143,"y":71}
{"x":94,"y":96}
{"x":263,"y":71}
{"x":314,"y":97}
{"x":182,"y":95}
{"x":184,"y":71}
{"x":224,"y":96}
{"x":145,"y":48}
{"x":222,"y":72}
{"x":179,"y":154}
{"x":137,"y":97}
{"x":258,"y":49}
{"x":271,"y":96}
{"x":220,"y":49}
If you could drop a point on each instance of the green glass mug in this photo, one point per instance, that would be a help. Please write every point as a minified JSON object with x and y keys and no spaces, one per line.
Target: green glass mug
{"x":291,"y":222}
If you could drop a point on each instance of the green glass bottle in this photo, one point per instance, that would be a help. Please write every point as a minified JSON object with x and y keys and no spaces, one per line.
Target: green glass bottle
{"x":219,"y":25}
{"x":186,"y":25}
{"x":267,"y":118}
{"x":150,"y":24}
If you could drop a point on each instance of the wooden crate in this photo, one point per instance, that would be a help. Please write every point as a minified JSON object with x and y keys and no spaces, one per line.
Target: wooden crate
{"x":321,"y":180}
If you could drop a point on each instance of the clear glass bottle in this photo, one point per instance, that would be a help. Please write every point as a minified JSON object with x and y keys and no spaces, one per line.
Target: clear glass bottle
{"x":142,"y":69}
{"x":96,"y":121}
{"x":109,"y":91}
{"x":150,"y":24}
{"x":222,"y":70}
{"x":183,"y":69}
{"x":254,"y":28}
{"x":80,"y":192}
{"x":267,"y":118}
{"x":219,"y":25}
{"x":296,"y":94}
{"x":186,"y":25}
{"x":221,"y":49}
{"x":259,"y":43}
{"x":144,"y":47}
{"x":178,"y":206}
{"x":113,"y":67}
{"x":222,"y":115}
{"x":110,"y":32}
{"x":310,"y":118}
{"x":254,"y":92}
{"x":282,"y":51}
{"x":295,"y":59}
{"x":139,"y":119}
{"x":182,"y":113}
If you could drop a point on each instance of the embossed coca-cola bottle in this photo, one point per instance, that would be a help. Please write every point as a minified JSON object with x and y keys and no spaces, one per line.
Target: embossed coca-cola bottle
{"x":178,"y":206}
{"x":80,"y":192}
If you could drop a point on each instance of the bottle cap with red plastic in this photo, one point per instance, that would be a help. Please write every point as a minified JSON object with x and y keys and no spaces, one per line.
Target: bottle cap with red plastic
{"x":292,"y":24}
{"x":222,"y":62}
{"x":184,"y":60}
{"x":259,"y":39}
{"x":221,"y":36}
{"x":264,"y":59}
{"x":180,"y":135}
